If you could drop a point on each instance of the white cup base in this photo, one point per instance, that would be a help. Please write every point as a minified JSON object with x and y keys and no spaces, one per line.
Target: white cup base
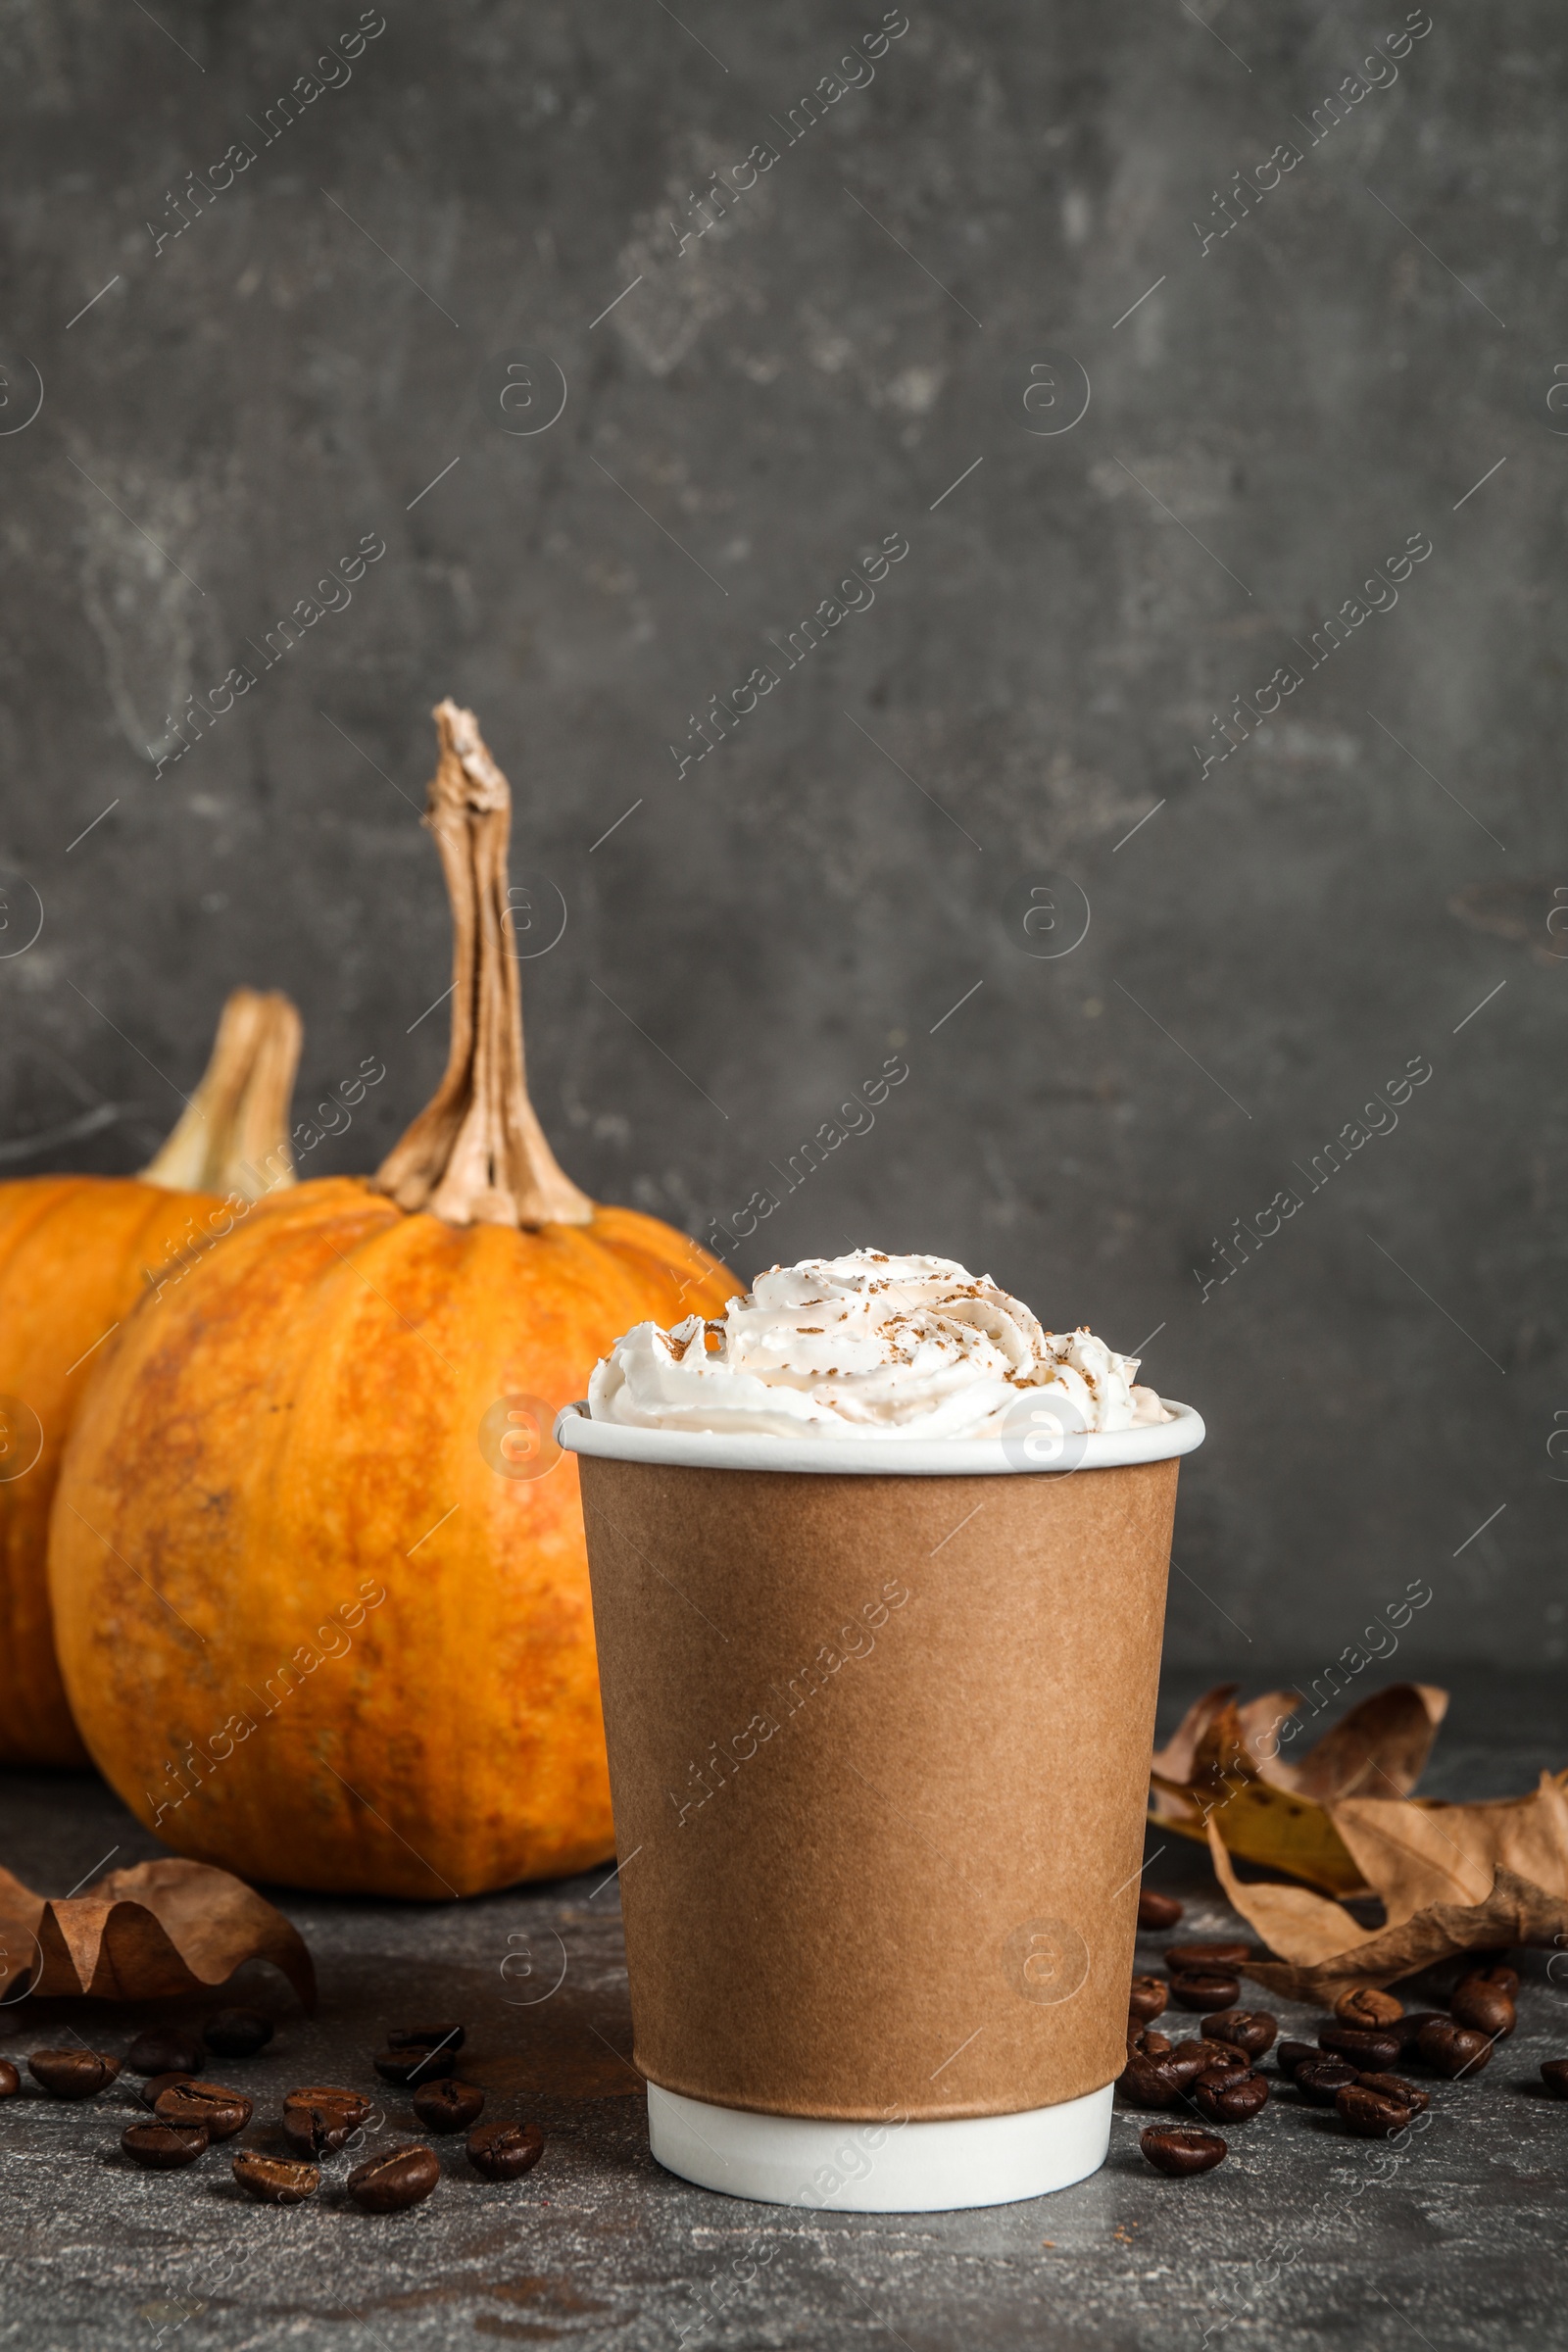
{"x":908,"y":2168}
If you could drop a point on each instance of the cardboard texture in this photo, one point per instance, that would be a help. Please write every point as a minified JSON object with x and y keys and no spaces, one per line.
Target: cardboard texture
{"x":879,"y":1756}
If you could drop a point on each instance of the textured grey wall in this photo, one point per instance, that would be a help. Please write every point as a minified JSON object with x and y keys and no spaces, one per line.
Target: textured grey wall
{"x":881,"y":338}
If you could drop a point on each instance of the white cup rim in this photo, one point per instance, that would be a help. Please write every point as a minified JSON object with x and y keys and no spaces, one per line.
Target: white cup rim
{"x":879,"y":1457}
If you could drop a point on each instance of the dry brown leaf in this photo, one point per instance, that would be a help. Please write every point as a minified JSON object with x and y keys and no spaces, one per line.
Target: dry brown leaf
{"x":1272,"y":1828}
{"x":1222,"y":1767}
{"x":1174,"y":1762}
{"x":164,"y":1926}
{"x":1380,"y":1748}
{"x":1453,"y":1879}
{"x":1419,"y":1854}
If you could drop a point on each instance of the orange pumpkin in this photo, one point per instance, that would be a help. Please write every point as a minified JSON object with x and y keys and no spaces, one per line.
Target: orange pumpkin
{"x":319,"y":1567}
{"x":76,"y":1255}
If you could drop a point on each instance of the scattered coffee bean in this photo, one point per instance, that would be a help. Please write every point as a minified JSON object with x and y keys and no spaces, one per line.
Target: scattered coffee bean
{"x":1554,"y":2075}
{"x":1371,"y":2114}
{"x":1321,"y":2080}
{"x":414,"y":2063}
{"x":395,"y":2180}
{"x":1249,"y":2030}
{"x":1149,"y":2083}
{"x":1230,"y":2098}
{"x":353,"y":2103}
{"x":1398,"y":2089}
{"x":1453,"y":2050}
{"x":330,"y":2095}
{"x":10,"y":2079}
{"x":163,"y":2147}
{"x":427,"y":2038}
{"x":1364,"y":2048}
{"x":223,"y":2112}
{"x":1365,"y":2005}
{"x":164,"y":2052}
{"x":1148,"y":1997}
{"x":1207,"y":1989}
{"x":1407,"y":2030}
{"x":1217,"y":2057}
{"x":276,"y":2180}
{"x":1184,"y":1958}
{"x":72,"y":2073}
{"x":1157,"y":1911}
{"x":1495,"y":1972}
{"x":1292,"y":2054}
{"x":153,"y":2090}
{"x":318,"y":2130}
{"x":506,"y":2151}
{"x":237,"y":2033}
{"x":448,"y":2105}
{"x":1181,"y":2153}
{"x":1485,"y":2007}
{"x":1145,"y":2043}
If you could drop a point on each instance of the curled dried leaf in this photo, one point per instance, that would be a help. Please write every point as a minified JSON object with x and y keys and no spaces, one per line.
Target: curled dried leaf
{"x":1223,"y":1768}
{"x":160,"y":1927}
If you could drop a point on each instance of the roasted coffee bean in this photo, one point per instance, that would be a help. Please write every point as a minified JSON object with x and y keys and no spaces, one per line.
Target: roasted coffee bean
{"x":163,"y":2147}
{"x":153,"y":2090}
{"x":1194,"y":2057}
{"x":1361,"y":2045}
{"x":396,"y":2178}
{"x":1407,"y":2030}
{"x":1554,"y":2075}
{"x":1147,"y":2042}
{"x":1249,"y":2030}
{"x":10,"y":2079}
{"x":1183,"y":1959}
{"x":354,"y":2103}
{"x":1206,"y":1991}
{"x":448,"y":2105}
{"x":318,"y":2130}
{"x":1157,"y":1911}
{"x":1365,"y":2005}
{"x":427,"y":2038}
{"x":1495,"y":1972}
{"x":1182,"y":2153}
{"x":1148,"y":1997}
{"x":506,"y":2151}
{"x":276,"y":2180}
{"x":1292,"y":2054}
{"x":1397,"y":2087}
{"x":224,"y":2112}
{"x":1453,"y":2050}
{"x":1217,"y":2057}
{"x":237,"y":2033}
{"x":1151,"y":2083}
{"x":72,"y":2073}
{"x":414,"y":2063}
{"x":1320,"y":2080}
{"x":1371,"y":2114}
{"x":1485,"y":2007}
{"x":164,"y":2051}
{"x":1230,"y":2098}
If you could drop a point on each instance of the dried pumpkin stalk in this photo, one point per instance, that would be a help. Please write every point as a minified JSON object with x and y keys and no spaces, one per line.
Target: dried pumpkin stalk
{"x":477,"y":1154}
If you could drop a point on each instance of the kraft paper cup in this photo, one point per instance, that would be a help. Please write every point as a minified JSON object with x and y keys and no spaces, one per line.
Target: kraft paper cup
{"x":879,"y":1720}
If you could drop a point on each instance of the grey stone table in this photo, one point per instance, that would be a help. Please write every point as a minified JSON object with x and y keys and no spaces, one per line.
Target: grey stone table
{"x":1304,"y":2239}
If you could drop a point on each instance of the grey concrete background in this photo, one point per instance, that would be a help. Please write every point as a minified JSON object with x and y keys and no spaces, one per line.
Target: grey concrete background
{"x":321,"y":354}
{"x":1305,"y":2239}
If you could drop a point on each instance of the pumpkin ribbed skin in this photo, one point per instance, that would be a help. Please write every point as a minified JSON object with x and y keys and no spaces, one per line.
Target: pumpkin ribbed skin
{"x":294,"y":1430}
{"x":73,"y":1249}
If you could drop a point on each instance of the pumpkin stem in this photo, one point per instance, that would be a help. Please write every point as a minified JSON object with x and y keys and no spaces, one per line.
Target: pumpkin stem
{"x":233,"y":1136}
{"x":477,"y":1154}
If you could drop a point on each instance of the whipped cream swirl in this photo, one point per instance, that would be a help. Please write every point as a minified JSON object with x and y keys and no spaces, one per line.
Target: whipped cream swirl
{"x":865,"y":1346}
